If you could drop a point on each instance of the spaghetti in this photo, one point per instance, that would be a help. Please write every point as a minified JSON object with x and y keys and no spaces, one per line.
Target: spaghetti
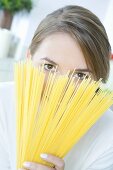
{"x":52,"y":116}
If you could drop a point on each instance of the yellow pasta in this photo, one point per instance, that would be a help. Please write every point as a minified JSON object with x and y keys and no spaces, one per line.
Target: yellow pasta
{"x":53,"y":115}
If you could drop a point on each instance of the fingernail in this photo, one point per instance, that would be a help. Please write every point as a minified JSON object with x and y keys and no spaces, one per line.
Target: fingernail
{"x":43,"y":155}
{"x":26,"y":164}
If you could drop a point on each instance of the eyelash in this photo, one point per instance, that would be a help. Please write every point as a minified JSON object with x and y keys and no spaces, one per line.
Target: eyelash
{"x":79,"y":75}
{"x":49,"y":65}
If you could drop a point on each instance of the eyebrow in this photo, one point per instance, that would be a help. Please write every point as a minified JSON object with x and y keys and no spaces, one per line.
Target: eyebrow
{"x":49,"y":60}
{"x":83,"y":70}
{"x":76,"y":70}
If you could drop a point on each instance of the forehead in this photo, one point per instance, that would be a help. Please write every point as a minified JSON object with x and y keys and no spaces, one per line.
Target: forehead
{"x":62,"y":49}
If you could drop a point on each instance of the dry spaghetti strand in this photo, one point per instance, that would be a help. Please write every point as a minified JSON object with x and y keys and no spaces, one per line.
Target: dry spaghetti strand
{"x":53,"y":112}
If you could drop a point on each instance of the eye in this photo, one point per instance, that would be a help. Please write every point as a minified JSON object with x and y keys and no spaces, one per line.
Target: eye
{"x":81,"y":76}
{"x":49,"y":67}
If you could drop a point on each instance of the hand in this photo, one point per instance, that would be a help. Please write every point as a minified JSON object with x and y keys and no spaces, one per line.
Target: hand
{"x":59,"y":163}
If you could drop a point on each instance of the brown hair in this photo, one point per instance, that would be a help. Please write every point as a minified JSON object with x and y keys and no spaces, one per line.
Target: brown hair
{"x":86,"y":29}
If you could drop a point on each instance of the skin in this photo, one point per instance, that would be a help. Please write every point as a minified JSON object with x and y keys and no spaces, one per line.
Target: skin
{"x":58,"y":50}
{"x":64,"y":53}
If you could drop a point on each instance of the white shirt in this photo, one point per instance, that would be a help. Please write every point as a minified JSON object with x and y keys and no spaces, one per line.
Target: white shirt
{"x":93,"y":152}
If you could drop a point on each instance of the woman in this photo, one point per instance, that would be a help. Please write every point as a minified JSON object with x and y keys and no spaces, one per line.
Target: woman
{"x":71,"y":37}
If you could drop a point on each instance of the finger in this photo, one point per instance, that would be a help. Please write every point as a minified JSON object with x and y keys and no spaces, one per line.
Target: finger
{"x":36,"y":166}
{"x":58,"y":162}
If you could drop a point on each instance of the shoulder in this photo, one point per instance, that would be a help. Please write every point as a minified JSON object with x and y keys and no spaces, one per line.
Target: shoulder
{"x":7,"y":92}
{"x":104,"y":126}
{"x":101,"y":148}
{"x":7,"y":124}
{"x":6,"y":87}
{"x":101,"y":134}
{"x":95,"y":144}
{"x":105,"y":121}
{"x":7,"y":101}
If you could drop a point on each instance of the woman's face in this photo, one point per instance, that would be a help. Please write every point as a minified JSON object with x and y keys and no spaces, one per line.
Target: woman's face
{"x":61,"y":50}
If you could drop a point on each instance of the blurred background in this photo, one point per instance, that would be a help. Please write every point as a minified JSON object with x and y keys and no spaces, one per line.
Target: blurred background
{"x":20,"y":18}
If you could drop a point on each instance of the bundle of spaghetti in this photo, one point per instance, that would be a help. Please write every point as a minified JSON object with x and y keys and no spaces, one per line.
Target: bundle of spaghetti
{"x":54,"y":111}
